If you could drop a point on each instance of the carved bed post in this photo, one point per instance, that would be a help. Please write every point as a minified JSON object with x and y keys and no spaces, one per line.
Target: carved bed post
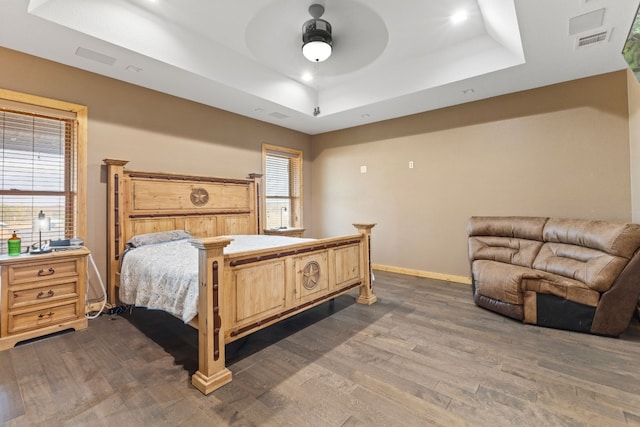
{"x":115,"y":245}
{"x":212,"y":372}
{"x":256,"y":197}
{"x":366,"y":288}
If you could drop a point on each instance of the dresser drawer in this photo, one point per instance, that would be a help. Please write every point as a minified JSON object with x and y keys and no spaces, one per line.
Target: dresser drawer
{"x":47,"y":316}
{"x":23,"y":296}
{"x":39,"y":271}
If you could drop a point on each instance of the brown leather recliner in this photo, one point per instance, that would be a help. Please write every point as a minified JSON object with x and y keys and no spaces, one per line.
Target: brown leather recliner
{"x":579,"y":275}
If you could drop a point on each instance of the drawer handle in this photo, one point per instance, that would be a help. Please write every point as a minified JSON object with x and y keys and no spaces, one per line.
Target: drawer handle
{"x":43,"y":315}
{"x":49,"y":272}
{"x":42,"y":295}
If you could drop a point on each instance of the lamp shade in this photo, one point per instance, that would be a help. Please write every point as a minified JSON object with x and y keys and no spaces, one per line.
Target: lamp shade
{"x":316,"y":51}
{"x":41,"y":223}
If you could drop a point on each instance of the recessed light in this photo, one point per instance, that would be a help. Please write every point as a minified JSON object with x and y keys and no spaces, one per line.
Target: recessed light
{"x":459,"y":17}
{"x":307,"y":77}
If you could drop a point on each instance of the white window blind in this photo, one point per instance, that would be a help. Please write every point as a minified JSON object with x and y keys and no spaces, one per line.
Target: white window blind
{"x":283,"y":187}
{"x":38,"y":172}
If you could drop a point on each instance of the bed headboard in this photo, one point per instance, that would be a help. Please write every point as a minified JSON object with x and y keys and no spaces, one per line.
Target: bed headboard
{"x":147,"y":202}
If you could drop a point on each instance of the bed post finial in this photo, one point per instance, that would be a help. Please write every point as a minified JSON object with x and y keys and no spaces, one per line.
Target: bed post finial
{"x":366,"y":288}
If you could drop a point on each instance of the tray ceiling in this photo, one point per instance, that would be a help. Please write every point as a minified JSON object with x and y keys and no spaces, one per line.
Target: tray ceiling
{"x":389,"y":59}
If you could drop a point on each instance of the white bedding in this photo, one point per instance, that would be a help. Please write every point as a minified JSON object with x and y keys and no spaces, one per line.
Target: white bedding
{"x":164,"y":275}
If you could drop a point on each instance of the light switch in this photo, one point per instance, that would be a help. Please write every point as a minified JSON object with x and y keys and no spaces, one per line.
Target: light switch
{"x":363,"y":169}
{"x":410,"y":164}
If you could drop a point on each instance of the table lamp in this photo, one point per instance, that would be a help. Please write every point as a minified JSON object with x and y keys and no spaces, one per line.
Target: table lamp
{"x":41,"y":223}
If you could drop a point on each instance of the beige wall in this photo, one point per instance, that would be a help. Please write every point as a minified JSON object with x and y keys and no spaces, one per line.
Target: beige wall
{"x":561,"y":150}
{"x":634,"y":143}
{"x":154,"y":131}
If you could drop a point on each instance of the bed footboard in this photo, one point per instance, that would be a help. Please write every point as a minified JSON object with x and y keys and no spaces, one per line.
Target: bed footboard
{"x":245,"y":292}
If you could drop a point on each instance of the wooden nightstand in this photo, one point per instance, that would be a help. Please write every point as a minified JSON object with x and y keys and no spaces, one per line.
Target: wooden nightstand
{"x":290,"y":232}
{"x":41,"y":294}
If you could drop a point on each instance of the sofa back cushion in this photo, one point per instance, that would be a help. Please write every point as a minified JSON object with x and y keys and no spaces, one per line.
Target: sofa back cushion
{"x":522,"y":227}
{"x":595,"y":268}
{"x":504,"y":249}
{"x":593,"y":252}
{"x":613,"y":238}
{"x":512,"y":239}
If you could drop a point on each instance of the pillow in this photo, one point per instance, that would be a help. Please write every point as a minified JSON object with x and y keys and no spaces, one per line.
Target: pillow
{"x":159,"y":237}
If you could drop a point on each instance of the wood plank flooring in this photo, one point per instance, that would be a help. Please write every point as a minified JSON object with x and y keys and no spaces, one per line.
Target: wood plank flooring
{"x":424,"y":354}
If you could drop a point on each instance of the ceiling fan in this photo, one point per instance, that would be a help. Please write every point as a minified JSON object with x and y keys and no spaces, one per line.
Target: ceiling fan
{"x":316,"y":36}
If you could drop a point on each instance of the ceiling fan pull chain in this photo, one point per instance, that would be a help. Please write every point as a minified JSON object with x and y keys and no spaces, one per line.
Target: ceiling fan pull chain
{"x":316,"y":110}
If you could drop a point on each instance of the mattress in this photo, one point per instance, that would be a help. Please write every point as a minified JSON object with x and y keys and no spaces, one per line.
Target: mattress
{"x":163,"y":274}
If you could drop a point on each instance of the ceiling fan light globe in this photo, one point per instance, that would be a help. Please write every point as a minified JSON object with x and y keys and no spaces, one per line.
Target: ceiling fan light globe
{"x":316,"y":51}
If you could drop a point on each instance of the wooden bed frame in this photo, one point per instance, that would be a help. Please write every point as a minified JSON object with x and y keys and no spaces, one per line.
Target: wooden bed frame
{"x":242,"y":292}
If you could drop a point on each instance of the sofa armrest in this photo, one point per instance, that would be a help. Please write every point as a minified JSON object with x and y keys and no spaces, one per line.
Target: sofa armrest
{"x":618,"y":304}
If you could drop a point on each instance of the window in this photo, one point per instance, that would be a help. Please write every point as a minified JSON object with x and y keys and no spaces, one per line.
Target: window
{"x":42,"y":164}
{"x":283,"y":186}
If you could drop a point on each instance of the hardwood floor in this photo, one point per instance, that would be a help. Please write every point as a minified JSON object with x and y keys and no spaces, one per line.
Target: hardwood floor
{"x":424,"y":354}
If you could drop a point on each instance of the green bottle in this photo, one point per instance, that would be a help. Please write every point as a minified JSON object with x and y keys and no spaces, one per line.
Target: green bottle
{"x":14,"y":244}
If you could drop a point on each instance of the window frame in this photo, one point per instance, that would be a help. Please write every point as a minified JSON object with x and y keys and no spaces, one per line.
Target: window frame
{"x":296,"y":202}
{"x":31,"y":104}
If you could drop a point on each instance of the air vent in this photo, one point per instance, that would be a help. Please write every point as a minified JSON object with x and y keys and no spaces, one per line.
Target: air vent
{"x":95,"y":56}
{"x":592,"y":39}
{"x":278,"y":115}
{"x":586,"y":22}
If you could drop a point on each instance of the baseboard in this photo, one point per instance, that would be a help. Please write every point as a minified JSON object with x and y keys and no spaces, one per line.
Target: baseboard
{"x":420,"y":273}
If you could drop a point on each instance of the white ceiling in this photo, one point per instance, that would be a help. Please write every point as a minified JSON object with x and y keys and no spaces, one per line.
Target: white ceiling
{"x":390,"y":58}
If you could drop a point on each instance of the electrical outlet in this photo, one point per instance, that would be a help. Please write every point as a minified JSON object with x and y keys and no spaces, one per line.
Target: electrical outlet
{"x":410,"y":164}
{"x":363,"y":169}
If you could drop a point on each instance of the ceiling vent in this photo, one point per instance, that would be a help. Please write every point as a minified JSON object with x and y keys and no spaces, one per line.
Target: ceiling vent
{"x":278,"y":115}
{"x":586,"y":22}
{"x":95,"y":56}
{"x":593,"y":39}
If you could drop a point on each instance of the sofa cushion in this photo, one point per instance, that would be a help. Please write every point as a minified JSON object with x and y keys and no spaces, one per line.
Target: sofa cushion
{"x":596,"y":269}
{"x":613,"y":238}
{"x":501,"y":281}
{"x":508,"y":226}
{"x":509,"y":250}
